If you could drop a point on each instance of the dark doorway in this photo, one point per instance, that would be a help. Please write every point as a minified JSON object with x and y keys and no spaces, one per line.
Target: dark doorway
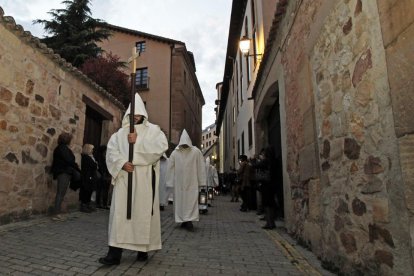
{"x":94,"y":116}
{"x":274,"y":138}
{"x":93,"y":127}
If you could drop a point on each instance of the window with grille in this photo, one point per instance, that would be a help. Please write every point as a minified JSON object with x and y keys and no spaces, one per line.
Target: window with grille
{"x":140,"y":46}
{"x":242,"y":142}
{"x":250,"y":133}
{"x":141,"y":80}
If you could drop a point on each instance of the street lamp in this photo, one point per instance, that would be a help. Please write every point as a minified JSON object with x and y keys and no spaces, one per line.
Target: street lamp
{"x":244,"y":45}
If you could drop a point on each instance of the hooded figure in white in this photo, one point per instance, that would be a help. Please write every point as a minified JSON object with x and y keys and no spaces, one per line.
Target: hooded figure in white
{"x":186,"y":172}
{"x":211,"y":174}
{"x":142,"y":232}
{"x":164,"y":190}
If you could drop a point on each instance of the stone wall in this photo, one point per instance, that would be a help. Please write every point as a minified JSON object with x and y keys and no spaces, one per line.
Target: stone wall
{"x":40,"y":96}
{"x":397,"y":24}
{"x":343,"y":154}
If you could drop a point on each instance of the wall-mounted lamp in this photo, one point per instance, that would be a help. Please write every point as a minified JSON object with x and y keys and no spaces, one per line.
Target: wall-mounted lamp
{"x":244,"y":46}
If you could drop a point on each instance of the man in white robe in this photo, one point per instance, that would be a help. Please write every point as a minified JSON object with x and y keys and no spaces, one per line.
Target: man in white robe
{"x":186,"y":173}
{"x":142,"y":232}
{"x":164,"y":190}
{"x":212,"y":178}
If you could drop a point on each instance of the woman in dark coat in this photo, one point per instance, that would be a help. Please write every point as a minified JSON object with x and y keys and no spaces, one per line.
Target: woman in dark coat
{"x":266,"y":166}
{"x":65,"y":170}
{"x":102,"y":189}
{"x":89,"y":178}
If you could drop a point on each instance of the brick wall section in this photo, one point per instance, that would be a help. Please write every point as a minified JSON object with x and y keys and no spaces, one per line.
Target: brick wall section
{"x":40,"y":96}
{"x":302,"y":149}
{"x":351,"y":209}
{"x":397,"y":24}
{"x":185,"y":113}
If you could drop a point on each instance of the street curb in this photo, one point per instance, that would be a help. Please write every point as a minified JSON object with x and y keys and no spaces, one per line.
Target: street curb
{"x":295,"y":257}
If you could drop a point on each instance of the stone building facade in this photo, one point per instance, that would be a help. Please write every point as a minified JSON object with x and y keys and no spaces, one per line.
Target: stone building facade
{"x":336,"y":76}
{"x":208,"y":137}
{"x":41,"y":95}
{"x":168,"y":82}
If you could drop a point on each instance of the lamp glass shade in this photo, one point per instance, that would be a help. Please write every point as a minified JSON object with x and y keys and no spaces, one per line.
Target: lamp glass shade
{"x":210,"y":194}
{"x":202,"y":198}
{"x":244,"y":45}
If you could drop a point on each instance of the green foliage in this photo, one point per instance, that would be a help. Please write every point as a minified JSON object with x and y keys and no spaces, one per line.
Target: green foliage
{"x":73,"y":32}
{"x":107,"y":72}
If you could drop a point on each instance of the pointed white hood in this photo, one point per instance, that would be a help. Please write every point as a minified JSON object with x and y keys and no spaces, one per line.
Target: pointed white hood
{"x":139,"y":110}
{"x":185,"y":139}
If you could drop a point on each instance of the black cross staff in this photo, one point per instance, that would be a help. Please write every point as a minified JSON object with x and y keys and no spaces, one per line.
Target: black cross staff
{"x":133,"y":62}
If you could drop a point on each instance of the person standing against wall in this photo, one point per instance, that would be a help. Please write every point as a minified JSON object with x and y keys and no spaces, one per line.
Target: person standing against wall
{"x":265,"y":176}
{"x":90,"y":178}
{"x":102,"y":189}
{"x":244,"y":176}
{"x":65,"y":170}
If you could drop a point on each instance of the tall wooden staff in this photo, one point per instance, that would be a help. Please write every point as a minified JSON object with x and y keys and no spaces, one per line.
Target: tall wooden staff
{"x":133,"y":62}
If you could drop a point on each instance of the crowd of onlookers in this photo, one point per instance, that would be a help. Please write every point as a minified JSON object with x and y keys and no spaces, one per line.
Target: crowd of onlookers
{"x":92,"y":176}
{"x":257,"y":183}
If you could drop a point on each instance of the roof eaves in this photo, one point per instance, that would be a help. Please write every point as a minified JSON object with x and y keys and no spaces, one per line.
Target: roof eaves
{"x":143,"y":34}
{"x":236,"y":24}
{"x":27,"y":37}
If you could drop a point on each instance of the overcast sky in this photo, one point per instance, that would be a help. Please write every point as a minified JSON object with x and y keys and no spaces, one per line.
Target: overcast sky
{"x":201,"y":24}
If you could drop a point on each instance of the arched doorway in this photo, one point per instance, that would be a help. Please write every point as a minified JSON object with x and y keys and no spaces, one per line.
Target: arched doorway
{"x":274,"y":141}
{"x":268,"y":134}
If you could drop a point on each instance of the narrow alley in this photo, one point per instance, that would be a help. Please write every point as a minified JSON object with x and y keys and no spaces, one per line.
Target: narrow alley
{"x":226,"y":241}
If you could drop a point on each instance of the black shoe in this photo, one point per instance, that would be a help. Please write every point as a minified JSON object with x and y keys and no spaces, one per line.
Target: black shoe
{"x":243,"y":210}
{"x":189,"y":226}
{"x":142,"y":256}
{"x":184,"y":224}
{"x":109,"y":261}
{"x":84,"y":209}
{"x":268,"y":227}
{"x":162,"y":208}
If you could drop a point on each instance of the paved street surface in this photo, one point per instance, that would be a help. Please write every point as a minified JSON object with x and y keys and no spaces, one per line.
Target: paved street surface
{"x":226,"y":241}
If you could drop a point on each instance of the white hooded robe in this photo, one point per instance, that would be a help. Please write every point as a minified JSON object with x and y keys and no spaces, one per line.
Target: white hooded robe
{"x":186,"y":172}
{"x":164,"y":190}
{"x":212,"y":176}
{"x":143,"y":231}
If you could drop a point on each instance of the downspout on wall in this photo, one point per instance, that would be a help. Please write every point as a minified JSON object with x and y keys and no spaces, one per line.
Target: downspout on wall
{"x":170,"y":119}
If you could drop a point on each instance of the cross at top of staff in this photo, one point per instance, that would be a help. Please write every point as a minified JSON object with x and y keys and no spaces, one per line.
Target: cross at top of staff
{"x":133,"y":59}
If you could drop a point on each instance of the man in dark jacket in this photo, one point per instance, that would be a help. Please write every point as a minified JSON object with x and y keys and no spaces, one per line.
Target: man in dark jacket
{"x":65,"y":170}
{"x":243,"y":174}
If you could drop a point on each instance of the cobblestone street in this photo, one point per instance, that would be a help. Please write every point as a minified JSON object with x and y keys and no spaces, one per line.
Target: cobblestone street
{"x":226,"y":241}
